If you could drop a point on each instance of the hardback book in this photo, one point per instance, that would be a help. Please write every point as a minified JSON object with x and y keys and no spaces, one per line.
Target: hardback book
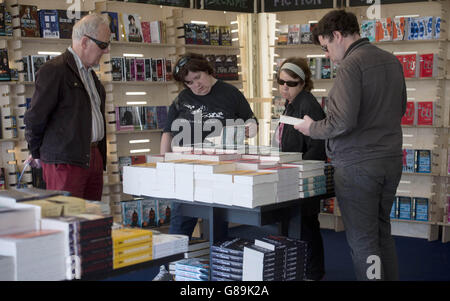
{"x":146,"y":31}
{"x":404,"y":207}
{"x":409,"y":160}
{"x":203,"y":35}
{"x":425,"y":112}
{"x":117,"y":68}
{"x":190,"y":33}
{"x":154,"y":70}
{"x":368,"y":30}
{"x":36,"y":62}
{"x":127,"y":69}
{"x":214,"y":35}
{"x":131,"y":213}
{"x":160,"y":70}
{"x":66,"y":24}
{"x":428,"y":65}
{"x":132,"y":27}
{"x":29,"y":21}
{"x":410,"y":115}
{"x":49,"y":24}
{"x":283,"y":34}
{"x":133,"y":69}
{"x":398,"y":29}
{"x":423,"y":161}
{"x":421,"y":209}
{"x":306,"y":34}
{"x":293,"y":34}
{"x":225,"y":35}
{"x":148,"y":69}
{"x":5,"y":74}
{"x":149,"y":213}
{"x":113,"y":25}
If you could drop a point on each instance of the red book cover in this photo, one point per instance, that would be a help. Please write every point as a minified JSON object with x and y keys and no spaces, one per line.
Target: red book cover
{"x":426,"y":65}
{"x":425,"y":114}
{"x":140,"y":159}
{"x":409,"y":65}
{"x":146,"y":31}
{"x":408,"y":118}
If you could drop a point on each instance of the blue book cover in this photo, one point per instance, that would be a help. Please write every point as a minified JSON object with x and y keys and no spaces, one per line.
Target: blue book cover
{"x":161,"y":113}
{"x":408,"y":160}
{"x":404,"y":207}
{"x":49,"y":24}
{"x":423,"y":161}
{"x":131,"y":213}
{"x":149,"y":213}
{"x":164,"y":211}
{"x":113,"y":25}
{"x":394,"y":209}
{"x":421,"y":205}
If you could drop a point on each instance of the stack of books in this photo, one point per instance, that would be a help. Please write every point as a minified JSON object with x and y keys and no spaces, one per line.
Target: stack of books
{"x":169,"y":244}
{"x":282,"y":157}
{"x":87,"y":243}
{"x":227,"y":259}
{"x":312,"y":180}
{"x":197,"y":249}
{"x":38,"y":255}
{"x":254,"y":164}
{"x":203,"y":178}
{"x":7,"y":268}
{"x":287,"y":185}
{"x":131,"y":246}
{"x":223,"y":185}
{"x":255,"y":189}
{"x":192,"y":269}
{"x":261,"y":264}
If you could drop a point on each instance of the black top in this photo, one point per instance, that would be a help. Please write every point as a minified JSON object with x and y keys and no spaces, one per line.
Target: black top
{"x":292,"y":140}
{"x":223,"y":102}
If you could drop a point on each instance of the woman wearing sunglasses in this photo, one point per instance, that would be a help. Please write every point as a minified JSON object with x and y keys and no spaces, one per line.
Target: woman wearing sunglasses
{"x":295,"y":84}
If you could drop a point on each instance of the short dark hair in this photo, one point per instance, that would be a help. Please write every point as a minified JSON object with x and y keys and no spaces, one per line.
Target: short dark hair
{"x":191,"y":62}
{"x":337,"y":20}
{"x":304,"y":65}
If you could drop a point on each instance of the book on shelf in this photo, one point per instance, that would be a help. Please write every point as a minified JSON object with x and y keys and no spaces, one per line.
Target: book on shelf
{"x":36,"y":62}
{"x":428,"y":65}
{"x":203,"y":35}
{"x":131,"y":213}
{"x":214,"y":35}
{"x":117,"y":68}
{"x":425,"y":112}
{"x":149,"y":212}
{"x":131,"y":27}
{"x":409,"y":160}
{"x":164,"y":212}
{"x":398,"y":29}
{"x":126,"y":237}
{"x":168,"y":70}
{"x":369,"y":30}
{"x":306,"y":36}
{"x":146,"y":31}
{"x":139,"y":67}
{"x":161,"y":113}
{"x":410,"y":115}
{"x":2,"y":19}
{"x":5,"y":74}
{"x":157,"y":32}
{"x":404,"y":205}
{"x":225,"y":35}
{"x":283,"y":34}
{"x":423,"y":161}
{"x":8,"y":24}
{"x":409,"y":62}
{"x":383,"y":30}
{"x":29,"y":20}
{"x":293,"y":34}
{"x":49,"y":24}
{"x":190,"y":33}
{"x":421,"y":208}
{"x":113,"y":18}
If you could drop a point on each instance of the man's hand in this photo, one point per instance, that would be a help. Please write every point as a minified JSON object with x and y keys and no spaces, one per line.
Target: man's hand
{"x":35,"y":163}
{"x":303,"y":127}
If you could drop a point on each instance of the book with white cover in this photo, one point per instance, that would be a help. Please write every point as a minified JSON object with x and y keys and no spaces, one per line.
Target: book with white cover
{"x":306,"y":165}
{"x":290,"y":120}
{"x":254,"y":196}
{"x":253,"y":262}
{"x":219,"y":157}
{"x":19,"y":218}
{"x":311,"y":173}
{"x":256,"y":178}
{"x":311,"y":193}
{"x":254,"y":164}
{"x":213,"y":167}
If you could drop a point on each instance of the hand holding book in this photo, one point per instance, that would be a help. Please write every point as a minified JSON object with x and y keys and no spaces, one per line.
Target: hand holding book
{"x":304,"y":125}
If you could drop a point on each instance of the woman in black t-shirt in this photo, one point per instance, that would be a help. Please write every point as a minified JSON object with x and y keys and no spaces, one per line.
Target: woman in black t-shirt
{"x":295,"y":84}
{"x":208,"y":104}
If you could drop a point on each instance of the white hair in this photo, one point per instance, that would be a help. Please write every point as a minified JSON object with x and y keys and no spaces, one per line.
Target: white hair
{"x":88,"y":25}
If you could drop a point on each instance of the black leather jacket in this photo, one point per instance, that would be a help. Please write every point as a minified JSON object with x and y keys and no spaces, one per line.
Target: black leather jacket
{"x":58,"y":124}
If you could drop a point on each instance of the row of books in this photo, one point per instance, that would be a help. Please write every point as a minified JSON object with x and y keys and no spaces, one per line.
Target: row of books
{"x":410,"y":208}
{"x":131,"y":246}
{"x":422,"y":65}
{"x":140,"y":118}
{"x":401,"y":28}
{"x":225,"y":66}
{"x":417,"y":161}
{"x":321,"y":68}
{"x":6,"y":23}
{"x":146,"y":213}
{"x":141,"y":69}
{"x":207,"y":34}
{"x":294,"y":34}
{"x":31,"y":65}
{"x":419,"y":113}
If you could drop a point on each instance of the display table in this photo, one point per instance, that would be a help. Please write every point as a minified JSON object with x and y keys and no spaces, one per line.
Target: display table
{"x":288,"y":214}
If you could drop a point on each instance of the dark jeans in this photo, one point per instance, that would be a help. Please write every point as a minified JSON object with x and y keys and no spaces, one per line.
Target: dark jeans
{"x":365,"y":192}
{"x":185,"y":225}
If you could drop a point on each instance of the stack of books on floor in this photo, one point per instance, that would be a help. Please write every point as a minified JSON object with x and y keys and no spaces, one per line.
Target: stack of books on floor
{"x":311,"y":174}
{"x":274,"y":258}
{"x":227,"y":259}
{"x":87,"y":243}
{"x":192,"y":269}
{"x":131,"y":246}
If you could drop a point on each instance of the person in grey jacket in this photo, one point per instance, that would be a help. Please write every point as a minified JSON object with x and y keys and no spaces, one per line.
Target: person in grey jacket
{"x":363,"y":139}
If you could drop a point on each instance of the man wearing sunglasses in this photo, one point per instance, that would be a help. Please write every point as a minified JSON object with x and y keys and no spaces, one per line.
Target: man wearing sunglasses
{"x":364,"y":139}
{"x":65,"y":125}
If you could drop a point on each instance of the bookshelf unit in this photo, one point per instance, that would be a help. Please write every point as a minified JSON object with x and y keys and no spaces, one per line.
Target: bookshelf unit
{"x":431,"y":185}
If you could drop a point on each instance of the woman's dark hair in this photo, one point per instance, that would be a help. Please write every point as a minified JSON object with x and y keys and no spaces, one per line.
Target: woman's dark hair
{"x":337,"y":20}
{"x":303,"y":64}
{"x":191,"y":62}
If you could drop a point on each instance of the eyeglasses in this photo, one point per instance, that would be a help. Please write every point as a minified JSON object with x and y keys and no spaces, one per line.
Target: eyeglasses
{"x":324,"y":48}
{"x":288,"y":83}
{"x":100,"y":44}
{"x":180,"y":64}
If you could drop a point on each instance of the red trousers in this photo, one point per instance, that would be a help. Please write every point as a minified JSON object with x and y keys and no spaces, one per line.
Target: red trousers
{"x":80,"y":182}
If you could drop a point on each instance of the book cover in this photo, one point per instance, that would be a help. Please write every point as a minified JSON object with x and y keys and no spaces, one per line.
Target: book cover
{"x":156,"y":34}
{"x":151,"y":118}
{"x":283,"y":34}
{"x":423,"y":161}
{"x":404,"y":207}
{"x":428,"y":23}
{"x":160,"y":70}
{"x":29,"y":21}
{"x":161,"y":113}
{"x":146,"y":31}
{"x":293,"y":34}
{"x":325,"y":70}
{"x":117,"y":68}
{"x":132,"y":27}
{"x":2,"y":20}
{"x":409,"y":62}
{"x":409,"y":117}
{"x":190,"y":33}
{"x":409,"y":160}
{"x":148,"y":69}
{"x":425,"y":113}
{"x":398,"y":29}
{"x":427,"y":65}
{"x":113,"y":25}
{"x":214,"y":35}
{"x":232,"y":67}
{"x":225,"y":35}
{"x":164,"y":212}
{"x":49,"y":24}
{"x":139,"y":66}
{"x":131,"y":213}
{"x":203,"y":35}
{"x":168,"y":73}
{"x":306,"y":34}
{"x":125,"y":118}
{"x":220,"y":67}
{"x":421,"y":209}
{"x":368,"y":30}
{"x":8,"y":24}
{"x":5,"y":74}
{"x":437,"y":28}
{"x":65,"y":24}
{"x":149,"y":212}
{"x":36,"y":62}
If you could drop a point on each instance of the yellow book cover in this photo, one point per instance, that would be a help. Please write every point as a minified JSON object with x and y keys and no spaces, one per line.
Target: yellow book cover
{"x":129,"y":251}
{"x":71,"y":205}
{"x":130,"y":236}
{"x":48,"y":209}
{"x":137,"y":258}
